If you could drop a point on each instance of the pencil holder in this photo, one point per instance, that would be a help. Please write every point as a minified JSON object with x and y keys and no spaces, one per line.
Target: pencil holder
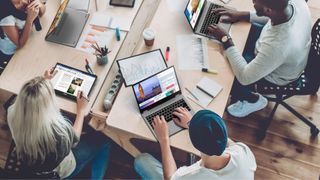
{"x":112,"y":92}
{"x":102,"y":60}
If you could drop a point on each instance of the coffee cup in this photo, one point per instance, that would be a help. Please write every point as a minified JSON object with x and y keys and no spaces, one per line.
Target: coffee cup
{"x":149,"y":35}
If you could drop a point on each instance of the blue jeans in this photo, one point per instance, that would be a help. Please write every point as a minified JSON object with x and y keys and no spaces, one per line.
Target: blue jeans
{"x":4,"y":60}
{"x":93,"y":148}
{"x":148,"y":167}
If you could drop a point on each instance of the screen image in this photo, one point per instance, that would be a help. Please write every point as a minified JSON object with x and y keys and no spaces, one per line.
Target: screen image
{"x":193,"y":11}
{"x":156,"y":88}
{"x":58,"y":16}
{"x":70,"y":81}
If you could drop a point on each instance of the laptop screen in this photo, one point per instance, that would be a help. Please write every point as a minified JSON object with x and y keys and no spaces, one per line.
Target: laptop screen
{"x":156,"y":88}
{"x":193,"y":11}
{"x":58,"y":16}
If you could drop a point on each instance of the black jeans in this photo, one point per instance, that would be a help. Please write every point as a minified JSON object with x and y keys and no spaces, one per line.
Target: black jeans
{"x":239,"y":91}
{"x":4,"y":60}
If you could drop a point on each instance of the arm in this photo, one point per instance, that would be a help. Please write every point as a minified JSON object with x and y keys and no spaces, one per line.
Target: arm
{"x":82,"y":104}
{"x":258,"y":19}
{"x":13,"y":33}
{"x":161,"y":129}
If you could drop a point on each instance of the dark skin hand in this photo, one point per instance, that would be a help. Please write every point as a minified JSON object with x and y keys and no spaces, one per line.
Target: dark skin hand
{"x":232,"y":16}
{"x":218,"y":32}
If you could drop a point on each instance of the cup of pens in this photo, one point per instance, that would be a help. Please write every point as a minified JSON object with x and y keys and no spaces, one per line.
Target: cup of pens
{"x":101,"y":54}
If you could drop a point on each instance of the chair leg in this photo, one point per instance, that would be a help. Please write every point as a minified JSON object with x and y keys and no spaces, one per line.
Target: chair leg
{"x":313,"y":129}
{"x":263,"y":127}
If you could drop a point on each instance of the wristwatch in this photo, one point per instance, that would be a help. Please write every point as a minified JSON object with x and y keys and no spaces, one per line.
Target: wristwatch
{"x":225,"y":38}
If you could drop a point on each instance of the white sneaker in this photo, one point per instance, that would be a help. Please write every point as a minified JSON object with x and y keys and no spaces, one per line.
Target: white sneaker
{"x":244,"y":108}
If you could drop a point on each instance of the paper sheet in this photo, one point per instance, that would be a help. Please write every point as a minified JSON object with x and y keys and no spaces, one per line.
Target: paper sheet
{"x":136,"y":68}
{"x":104,"y":20}
{"x":114,"y":16}
{"x":92,"y":34}
{"x":192,"y":52}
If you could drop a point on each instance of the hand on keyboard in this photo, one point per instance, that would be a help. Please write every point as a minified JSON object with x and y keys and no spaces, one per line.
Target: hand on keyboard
{"x":182,"y":117}
{"x":161,"y":129}
{"x":216,"y":31}
{"x":231,"y":16}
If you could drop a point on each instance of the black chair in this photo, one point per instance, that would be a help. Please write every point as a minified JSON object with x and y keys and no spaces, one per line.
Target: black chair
{"x":15,"y":169}
{"x":307,"y":84}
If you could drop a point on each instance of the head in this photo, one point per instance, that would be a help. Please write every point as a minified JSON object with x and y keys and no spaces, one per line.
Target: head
{"x":21,"y":4}
{"x":208,"y":133}
{"x":34,"y":119}
{"x":270,"y":8}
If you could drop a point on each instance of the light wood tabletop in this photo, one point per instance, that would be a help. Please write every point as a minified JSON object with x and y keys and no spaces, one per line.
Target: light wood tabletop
{"x":167,"y":24}
{"x":38,"y":55}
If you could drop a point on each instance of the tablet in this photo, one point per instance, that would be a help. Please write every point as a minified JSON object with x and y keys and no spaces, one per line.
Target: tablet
{"x":123,"y":3}
{"x":68,"y":81}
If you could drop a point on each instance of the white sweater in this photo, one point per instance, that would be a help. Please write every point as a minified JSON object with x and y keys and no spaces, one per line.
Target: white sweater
{"x":281,"y":51}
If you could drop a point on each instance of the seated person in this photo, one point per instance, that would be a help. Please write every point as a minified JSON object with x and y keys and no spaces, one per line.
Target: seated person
{"x":14,"y":31}
{"x":221,"y":158}
{"x":280,"y":54}
{"x":45,"y":141}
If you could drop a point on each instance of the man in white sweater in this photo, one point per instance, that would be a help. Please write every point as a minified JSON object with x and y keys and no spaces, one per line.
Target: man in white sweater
{"x":279,"y":55}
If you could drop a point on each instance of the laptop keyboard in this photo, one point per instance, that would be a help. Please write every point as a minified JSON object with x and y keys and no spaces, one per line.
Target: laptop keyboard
{"x":167,"y":111}
{"x":211,"y":18}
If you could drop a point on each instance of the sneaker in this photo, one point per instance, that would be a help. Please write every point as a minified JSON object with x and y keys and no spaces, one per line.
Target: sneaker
{"x":244,"y":108}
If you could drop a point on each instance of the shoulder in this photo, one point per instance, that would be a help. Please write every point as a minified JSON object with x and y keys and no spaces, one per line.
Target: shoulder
{"x":241,"y":153}
{"x":8,"y":21}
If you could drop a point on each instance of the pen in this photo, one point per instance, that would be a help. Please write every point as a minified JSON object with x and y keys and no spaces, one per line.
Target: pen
{"x":88,"y":67}
{"x":204,"y":91}
{"x":192,"y":94}
{"x":118,"y":33}
{"x":81,"y":96}
{"x":209,"y":71}
{"x":167,"y":53}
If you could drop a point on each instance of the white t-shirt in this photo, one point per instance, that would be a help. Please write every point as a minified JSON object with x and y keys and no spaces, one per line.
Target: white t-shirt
{"x":242,"y":165}
{"x":6,"y":45}
{"x":281,"y":51}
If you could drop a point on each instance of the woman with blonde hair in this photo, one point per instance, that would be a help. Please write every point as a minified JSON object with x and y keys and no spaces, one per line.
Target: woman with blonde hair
{"x":45,"y":141}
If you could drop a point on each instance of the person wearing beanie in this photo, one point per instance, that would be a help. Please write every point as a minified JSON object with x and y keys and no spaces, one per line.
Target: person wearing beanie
{"x":221,"y":158}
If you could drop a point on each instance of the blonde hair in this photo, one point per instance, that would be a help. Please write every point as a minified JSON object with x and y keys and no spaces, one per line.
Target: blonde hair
{"x":36,"y":121}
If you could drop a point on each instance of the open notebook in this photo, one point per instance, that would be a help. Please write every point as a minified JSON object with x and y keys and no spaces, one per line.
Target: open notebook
{"x":205,"y":91}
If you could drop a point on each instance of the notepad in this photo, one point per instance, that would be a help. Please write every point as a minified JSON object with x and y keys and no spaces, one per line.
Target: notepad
{"x":206,"y":90}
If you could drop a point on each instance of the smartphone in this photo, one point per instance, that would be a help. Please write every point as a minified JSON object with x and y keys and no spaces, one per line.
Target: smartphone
{"x":122,"y":3}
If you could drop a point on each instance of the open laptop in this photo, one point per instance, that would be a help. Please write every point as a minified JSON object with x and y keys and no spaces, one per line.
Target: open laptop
{"x":159,"y":95}
{"x":67,"y":26}
{"x":200,"y":17}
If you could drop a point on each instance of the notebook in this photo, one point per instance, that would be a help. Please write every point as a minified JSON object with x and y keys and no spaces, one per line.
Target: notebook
{"x":205,"y":91}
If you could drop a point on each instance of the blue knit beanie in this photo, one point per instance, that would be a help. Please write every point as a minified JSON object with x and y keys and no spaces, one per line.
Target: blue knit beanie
{"x":208,"y":133}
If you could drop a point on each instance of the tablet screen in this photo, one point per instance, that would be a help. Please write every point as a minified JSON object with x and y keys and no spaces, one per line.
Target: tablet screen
{"x":68,"y":81}
{"x":125,"y":3}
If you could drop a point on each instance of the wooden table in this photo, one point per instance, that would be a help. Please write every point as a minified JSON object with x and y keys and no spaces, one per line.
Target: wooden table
{"x":124,"y":120}
{"x":39,"y":55}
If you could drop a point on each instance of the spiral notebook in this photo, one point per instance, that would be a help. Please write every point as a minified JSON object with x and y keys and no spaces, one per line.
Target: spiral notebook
{"x":205,"y":91}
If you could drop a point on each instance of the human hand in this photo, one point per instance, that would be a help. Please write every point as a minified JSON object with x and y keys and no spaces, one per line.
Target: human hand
{"x":183,"y":115}
{"x":82,"y":102}
{"x":231,"y":16}
{"x":35,"y":3}
{"x":161,"y":129}
{"x":217,"y":31}
{"x":50,"y":73}
{"x":32,"y":12}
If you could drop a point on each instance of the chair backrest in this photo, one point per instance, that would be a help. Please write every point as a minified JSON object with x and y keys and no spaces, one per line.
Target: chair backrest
{"x":312,"y":70}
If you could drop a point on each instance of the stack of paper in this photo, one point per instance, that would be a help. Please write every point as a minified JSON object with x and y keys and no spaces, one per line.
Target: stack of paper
{"x":205,"y":91}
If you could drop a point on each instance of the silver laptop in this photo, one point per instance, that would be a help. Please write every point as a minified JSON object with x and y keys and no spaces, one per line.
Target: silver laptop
{"x":160,"y":95}
{"x":200,"y":17}
{"x":67,"y":26}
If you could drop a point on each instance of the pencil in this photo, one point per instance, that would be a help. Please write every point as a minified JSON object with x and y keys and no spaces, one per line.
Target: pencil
{"x":192,"y":94}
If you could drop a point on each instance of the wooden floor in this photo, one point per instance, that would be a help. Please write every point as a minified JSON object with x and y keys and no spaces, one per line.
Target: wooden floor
{"x":287,"y":152}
